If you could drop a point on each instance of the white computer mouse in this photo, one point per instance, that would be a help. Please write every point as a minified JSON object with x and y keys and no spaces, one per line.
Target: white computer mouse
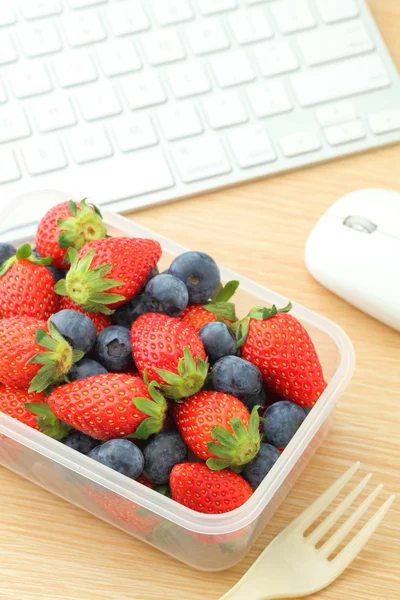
{"x":354,"y":251}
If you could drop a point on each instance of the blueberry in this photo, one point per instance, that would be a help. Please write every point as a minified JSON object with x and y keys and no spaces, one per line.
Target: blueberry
{"x":255,"y":471}
{"x":78,"y":329}
{"x":199,"y":272}
{"x":164,"y":450}
{"x":153,"y":274}
{"x":113,"y":349}
{"x":81,"y":442}
{"x":236,"y":376}
{"x":85,"y":368}
{"x":126,"y":314}
{"x":282,"y":420}
{"x":307,"y":409}
{"x":6,"y":252}
{"x":166,"y":294}
{"x":255,"y":400}
{"x":218,"y":340}
{"x":56,"y":273}
{"x":94,"y":453}
{"x":120,"y":455}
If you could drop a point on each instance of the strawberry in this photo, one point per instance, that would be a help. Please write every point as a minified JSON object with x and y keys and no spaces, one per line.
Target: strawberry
{"x":65,"y":225}
{"x":277,"y":343}
{"x":107,"y":266}
{"x":33,"y":354}
{"x":113,"y":405}
{"x":219,"y":309}
{"x":27,"y":286}
{"x":144,"y":481}
{"x":163,"y":349}
{"x":100,"y":321}
{"x":218,"y":428}
{"x":214,"y":492}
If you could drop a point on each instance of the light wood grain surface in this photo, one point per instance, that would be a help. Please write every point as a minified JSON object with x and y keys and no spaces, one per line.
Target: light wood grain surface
{"x":50,"y":550}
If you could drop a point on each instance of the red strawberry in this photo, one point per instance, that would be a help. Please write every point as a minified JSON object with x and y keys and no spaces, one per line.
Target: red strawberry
{"x":278,"y":344}
{"x":12,"y":402}
{"x":163,"y":348}
{"x":198,"y":315}
{"x":144,"y":481}
{"x":214,"y":492}
{"x":100,"y":321}
{"x":219,"y":427}
{"x":108,"y":272}
{"x":69,"y":224}
{"x":113,"y":405}
{"x":27,"y":286}
{"x":33,"y":354}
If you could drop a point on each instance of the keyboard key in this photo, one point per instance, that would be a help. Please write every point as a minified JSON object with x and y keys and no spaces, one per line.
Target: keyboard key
{"x":339,"y":80}
{"x":210,"y":7}
{"x":143,"y":89}
{"x":338,"y":41}
{"x":173,"y":11}
{"x":347,"y":132}
{"x":299,"y":143}
{"x":36,"y":9}
{"x":84,"y":3}
{"x":224,"y":109}
{"x":9,"y":170}
{"x":118,"y":57}
{"x":331,"y":12}
{"x":251,"y":147}
{"x":207,"y":36}
{"x":13,"y":124}
{"x":83,"y":28}
{"x":8,"y":53}
{"x":162,"y":47}
{"x":232,"y":68}
{"x":384,"y":121}
{"x":126,"y":17}
{"x":97,"y":101}
{"x":188,"y":79}
{"x":3,"y":94}
{"x":134,"y":132}
{"x":251,"y":25}
{"x":53,"y":112}
{"x":7,"y":14}
{"x":269,"y":99}
{"x":43,"y":156}
{"x":335,"y":114}
{"x":39,"y":38}
{"x":275,"y":58}
{"x":293,"y":15}
{"x":89,"y":143}
{"x":179,"y":121}
{"x":200,"y":159}
{"x":74,"y":68}
{"x":30,"y":80}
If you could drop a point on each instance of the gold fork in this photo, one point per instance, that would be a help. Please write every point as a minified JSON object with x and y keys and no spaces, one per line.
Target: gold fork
{"x":292,"y":566}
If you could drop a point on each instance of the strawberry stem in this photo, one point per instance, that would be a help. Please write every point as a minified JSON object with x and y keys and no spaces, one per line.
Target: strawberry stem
{"x":47,"y":421}
{"x":189,"y":380}
{"x":156,"y":411}
{"x":241,"y":328}
{"x":220,"y":306}
{"x":85,"y":225}
{"x":24,"y":252}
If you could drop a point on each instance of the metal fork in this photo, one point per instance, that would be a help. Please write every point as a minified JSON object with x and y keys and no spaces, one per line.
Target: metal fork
{"x":292,"y":566}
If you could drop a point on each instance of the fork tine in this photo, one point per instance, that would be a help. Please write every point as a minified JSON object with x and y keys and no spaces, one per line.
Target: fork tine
{"x":349,"y":552}
{"x":316,"y":509}
{"x":348,"y":525}
{"x":329,"y":522}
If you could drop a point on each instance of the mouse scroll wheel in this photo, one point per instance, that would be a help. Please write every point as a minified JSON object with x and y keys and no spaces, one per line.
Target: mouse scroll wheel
{"x":360,"y":224}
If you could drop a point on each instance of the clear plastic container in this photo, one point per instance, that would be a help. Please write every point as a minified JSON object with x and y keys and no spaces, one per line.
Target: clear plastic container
{"x":206,"y":542}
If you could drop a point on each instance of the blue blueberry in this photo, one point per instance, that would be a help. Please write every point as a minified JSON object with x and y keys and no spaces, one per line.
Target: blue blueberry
{"x":78,"y":329}
{"x":126,"y":314}
{"x":282,"y":420}
{"x":153,"y":274}
{"x":199,"y":272}
{"x":94,"y":453}
{"x":113,"y":349}
{"x":120,"y":455}
{"x":164,"y":450}
{"x":85,"y":368}
{"x":6,"y":252}
{"x":218,"y":340}
{"x":81,"y":442}
{"x":255,"y":400}
{"x":236,"y":376}
{"x":255,"y":471}
{"x":166,"y":294}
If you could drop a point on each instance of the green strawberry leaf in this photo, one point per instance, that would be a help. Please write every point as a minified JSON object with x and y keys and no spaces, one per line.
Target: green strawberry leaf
{"x":225,"y":293}
{"x":222,"y":310}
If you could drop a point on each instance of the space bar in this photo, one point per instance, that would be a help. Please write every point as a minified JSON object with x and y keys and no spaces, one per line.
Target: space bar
{"x":339,"y":80}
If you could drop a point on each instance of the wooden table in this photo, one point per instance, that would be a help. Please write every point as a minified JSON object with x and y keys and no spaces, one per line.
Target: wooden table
{"x":50,"y":550}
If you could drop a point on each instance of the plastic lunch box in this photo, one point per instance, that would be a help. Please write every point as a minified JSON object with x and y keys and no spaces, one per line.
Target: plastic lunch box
{"x":205,"y":542}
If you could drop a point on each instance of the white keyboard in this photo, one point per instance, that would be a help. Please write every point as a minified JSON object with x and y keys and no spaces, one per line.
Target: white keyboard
{"x":134,"y":102}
